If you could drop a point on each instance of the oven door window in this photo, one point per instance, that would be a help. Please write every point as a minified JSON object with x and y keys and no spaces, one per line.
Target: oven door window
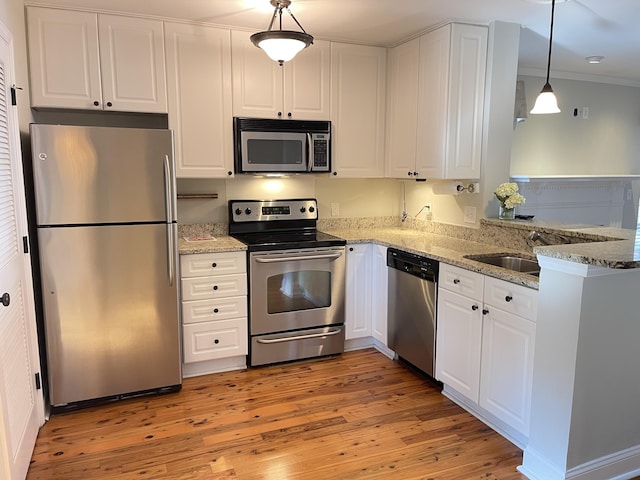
{"x":300,"y":290}
{"x":274,"y":151}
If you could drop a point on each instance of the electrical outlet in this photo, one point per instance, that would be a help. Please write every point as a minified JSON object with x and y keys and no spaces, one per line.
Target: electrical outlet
{"x":469,"y":214}
{"x":335,"y":209}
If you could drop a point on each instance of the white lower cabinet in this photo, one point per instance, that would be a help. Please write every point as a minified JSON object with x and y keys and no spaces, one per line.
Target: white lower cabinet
{"x":358,"y":292}
{"x":485,"y":345}
{"x":214,"y":310}
{"x":366,"y":297}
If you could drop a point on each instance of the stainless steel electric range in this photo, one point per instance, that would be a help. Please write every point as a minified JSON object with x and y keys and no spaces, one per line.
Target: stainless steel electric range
{"x":296,"y":280}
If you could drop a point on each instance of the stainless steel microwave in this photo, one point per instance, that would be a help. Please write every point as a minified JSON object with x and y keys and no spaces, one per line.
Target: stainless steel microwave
{"x":263,"y":145}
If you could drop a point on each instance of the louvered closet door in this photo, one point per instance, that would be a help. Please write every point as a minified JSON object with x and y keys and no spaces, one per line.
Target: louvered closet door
{"x":20,"y":403}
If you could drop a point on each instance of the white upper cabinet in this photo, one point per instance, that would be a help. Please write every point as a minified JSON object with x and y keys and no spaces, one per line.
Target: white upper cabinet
{"x":452,"y":79}
{"x":436,"y":104}
{"x":83,"y":60}
{"x":262,"y":88}
{"x":358,"y":83}
{"x":402,"y":110}
{"x":199,"y":94}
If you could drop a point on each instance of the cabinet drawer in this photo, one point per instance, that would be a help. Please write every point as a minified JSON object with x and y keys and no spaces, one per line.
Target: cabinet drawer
{"x":219,"y":286}
{"x":455,"y":279}
{"x":211,"y":340}
{"x":516,"y":299}
{"x":214,"y":309}
{"x":202,"y":264}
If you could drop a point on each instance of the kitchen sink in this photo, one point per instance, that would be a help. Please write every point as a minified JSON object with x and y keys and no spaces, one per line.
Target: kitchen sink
{"x":509,"y":261}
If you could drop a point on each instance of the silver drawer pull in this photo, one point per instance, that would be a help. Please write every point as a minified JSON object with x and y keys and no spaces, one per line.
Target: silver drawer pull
{"x":299,"y":337}
{"x":305,"y":257}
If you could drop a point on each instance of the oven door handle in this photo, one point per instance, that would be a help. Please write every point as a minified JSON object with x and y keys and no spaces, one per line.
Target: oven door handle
{"x":330,"y":256}
{"x":299,"y":337}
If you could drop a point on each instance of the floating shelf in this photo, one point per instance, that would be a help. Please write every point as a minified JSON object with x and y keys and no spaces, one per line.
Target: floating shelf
{"x":197,"y":196}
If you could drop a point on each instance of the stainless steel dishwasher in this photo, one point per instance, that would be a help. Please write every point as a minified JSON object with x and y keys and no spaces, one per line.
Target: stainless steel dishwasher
{"x":412,"y":308}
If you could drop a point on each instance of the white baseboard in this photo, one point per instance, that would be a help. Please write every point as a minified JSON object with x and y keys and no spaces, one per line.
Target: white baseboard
{"x":622,"y":465}
{"x":214,"y":366}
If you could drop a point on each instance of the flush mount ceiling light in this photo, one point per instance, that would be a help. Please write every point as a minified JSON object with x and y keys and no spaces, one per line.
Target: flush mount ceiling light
{"x":546,"y":101}
{"x":594,"y":59}
{"x":282,"y":45}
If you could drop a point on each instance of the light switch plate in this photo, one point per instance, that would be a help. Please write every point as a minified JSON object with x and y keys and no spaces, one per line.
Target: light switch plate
{"x":335,"y":209}
{"x":469,"y":214}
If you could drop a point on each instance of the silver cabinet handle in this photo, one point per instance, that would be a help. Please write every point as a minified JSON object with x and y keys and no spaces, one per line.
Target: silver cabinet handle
{"x":299,"y":337}
{"x":304,"y":257}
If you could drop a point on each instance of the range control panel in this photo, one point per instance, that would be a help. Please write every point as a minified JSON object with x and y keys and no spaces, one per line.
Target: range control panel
{"x":272,"y":210}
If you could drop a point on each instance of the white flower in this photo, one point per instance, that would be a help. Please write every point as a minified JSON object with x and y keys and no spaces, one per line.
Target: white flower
{"x":507,"y":194}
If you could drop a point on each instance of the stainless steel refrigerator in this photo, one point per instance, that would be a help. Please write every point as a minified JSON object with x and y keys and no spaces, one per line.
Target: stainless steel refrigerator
{"x":107,"y":236}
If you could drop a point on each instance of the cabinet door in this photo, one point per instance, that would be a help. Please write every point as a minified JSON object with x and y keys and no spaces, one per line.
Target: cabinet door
{"x":435,"y":48}
{"x":358,"y":301}
{"x":64,"y":59}
{"x":458,"y":340}
{"x":379,"y":289}
{"x":307,"y":83}
{"x":199,"y":98}
{"x":466,"y":101}
{"x":507,"y":367}
{"x":132,"y":62}
{"x":402,"y":108}
{"x":358,"y":79}
{"x":257,"y":80}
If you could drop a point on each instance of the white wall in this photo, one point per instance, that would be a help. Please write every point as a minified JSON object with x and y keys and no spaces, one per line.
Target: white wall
{"x":608,"y":142}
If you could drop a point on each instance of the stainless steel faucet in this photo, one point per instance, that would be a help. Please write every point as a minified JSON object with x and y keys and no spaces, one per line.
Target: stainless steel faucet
{"x":543,"y":238}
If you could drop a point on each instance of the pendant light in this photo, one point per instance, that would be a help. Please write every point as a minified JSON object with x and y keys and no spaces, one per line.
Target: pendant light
{"x":546,"y":101}
{"x":282,"y":45}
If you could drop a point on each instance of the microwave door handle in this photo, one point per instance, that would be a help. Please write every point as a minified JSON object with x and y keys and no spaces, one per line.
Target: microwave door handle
{"x":309,"y":149}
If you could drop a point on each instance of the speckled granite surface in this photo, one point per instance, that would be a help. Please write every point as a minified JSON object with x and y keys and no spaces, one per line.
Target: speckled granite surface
{"x":439,"y":247}
{"x":189,"y":239}
{"x":601,"y":246}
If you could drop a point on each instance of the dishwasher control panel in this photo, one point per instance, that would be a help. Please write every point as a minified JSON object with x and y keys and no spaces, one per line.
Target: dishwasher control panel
{"x":417,"y":265}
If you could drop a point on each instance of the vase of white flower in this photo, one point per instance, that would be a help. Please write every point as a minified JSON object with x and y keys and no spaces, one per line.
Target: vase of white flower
{"x":509,"y":198}
{"x":506,"y":213}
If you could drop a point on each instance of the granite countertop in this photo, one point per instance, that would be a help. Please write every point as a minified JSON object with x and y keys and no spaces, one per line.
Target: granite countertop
{"x":439,"y":247}
{"x":608,"y":247}
{"x":222,"y":243}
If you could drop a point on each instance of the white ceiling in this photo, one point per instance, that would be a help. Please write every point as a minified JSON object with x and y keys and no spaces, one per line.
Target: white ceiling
{"x":582,"y":27}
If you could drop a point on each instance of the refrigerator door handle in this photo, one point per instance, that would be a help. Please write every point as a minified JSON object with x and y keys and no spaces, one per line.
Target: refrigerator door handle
{"x":170,"y":254}
{"x":168,"y":202}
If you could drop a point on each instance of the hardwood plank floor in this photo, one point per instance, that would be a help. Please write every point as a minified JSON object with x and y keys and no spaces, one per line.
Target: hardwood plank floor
{"x":355,"y":416}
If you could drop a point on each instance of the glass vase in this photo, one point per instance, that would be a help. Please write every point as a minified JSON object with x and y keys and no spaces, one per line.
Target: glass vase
{"x":506,"y":213}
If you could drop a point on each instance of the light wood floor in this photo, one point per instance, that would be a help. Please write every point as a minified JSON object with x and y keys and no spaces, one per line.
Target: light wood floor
{"x":355,"y":416}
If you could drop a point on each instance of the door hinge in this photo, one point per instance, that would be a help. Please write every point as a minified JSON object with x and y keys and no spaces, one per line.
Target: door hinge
{"x":38,"y":384}
{"x":14,"y":101}
{"x":25,"y":244}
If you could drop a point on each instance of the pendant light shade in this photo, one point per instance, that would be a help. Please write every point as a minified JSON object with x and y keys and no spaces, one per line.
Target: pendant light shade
{"x":281,"y":45}
{"x":546,"y":101}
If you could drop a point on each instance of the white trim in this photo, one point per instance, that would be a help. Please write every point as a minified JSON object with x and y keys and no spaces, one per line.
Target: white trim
{"x":535,"y":467}
{"x":584,"y":77}
{"x":622,"y":465}
{"x":219,"y":365}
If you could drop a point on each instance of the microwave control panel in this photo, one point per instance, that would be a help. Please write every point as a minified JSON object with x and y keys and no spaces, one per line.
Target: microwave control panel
{"x":320,"y":160}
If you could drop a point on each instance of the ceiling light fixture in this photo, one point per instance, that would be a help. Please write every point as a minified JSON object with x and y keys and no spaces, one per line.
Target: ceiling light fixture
{"x":282,"y":45}
{"x":594,"y":59}
{"x":546,"y":101}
